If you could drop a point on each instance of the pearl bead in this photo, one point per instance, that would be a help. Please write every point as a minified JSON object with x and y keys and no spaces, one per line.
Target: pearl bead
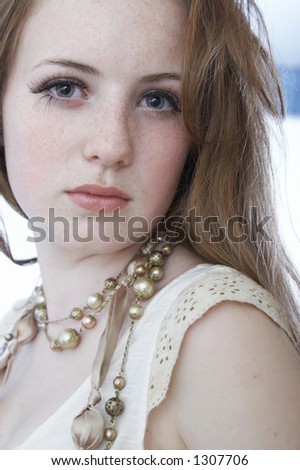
{"x":119,"y":383}
{"x":89,"y":322}
{"x":114,"y":407}
{"x":110,"y":283}
{"x":41,"y":314}
{"x":69,"y":338}
{"x":156,"y":259}
{"x":136,"y":312}
{"x":110,"y":434}
{"x":95,"y":301}
{"x":156,"y":273}
{"x":167,"y":249}
{"x":40,"y":301}
{"x":76,"y":314}
{"x":143,"y":288}
{"x":140,"y":270}
{"x":55,"y":346}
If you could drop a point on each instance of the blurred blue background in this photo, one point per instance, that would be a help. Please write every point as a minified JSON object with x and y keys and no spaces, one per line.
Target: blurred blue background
{"x":283,"y":22}
{"x":290,"y":80}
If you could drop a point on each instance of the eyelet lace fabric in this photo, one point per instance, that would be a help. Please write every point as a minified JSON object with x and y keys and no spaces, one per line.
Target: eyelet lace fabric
{"x":216,"y":285}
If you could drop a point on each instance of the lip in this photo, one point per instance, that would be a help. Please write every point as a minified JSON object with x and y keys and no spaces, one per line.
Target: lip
{"x":96,"y":198}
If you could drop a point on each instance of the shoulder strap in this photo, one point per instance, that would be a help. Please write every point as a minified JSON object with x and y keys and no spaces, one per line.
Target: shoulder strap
{"x":209,"y":289}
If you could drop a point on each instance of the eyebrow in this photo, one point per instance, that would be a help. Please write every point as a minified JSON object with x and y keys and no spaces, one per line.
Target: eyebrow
{"x":70,"y":64}
{"x":155,"y":77}
{"x":93,"y":71}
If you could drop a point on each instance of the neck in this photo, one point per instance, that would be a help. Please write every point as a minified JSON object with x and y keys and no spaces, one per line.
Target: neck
{"x":70,"y":277}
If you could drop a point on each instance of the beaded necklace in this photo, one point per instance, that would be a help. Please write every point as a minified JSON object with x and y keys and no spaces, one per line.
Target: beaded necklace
{"x":88,"y":430}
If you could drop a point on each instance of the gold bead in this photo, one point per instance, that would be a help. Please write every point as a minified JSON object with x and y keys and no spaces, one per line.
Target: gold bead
{"x":76,"y":314}
{"x":167,"y":249}
{"x":110,"y":283}
{"x":69,"y":338}
{"x":136,"y":312}
{"x":143,"y":288}
{"x":156,"y":259}
{"x":156,"y":273}
{"x":89,"y":322}
{"x":41,"y":314}
{"x":119,"y":382}
{"x":114,"y":407}
{"x":55,"y":346}
{"x":110,"y":434}
{"x":140,"y":270}
{"x":40,"y":301}
{"x":95,"y":301}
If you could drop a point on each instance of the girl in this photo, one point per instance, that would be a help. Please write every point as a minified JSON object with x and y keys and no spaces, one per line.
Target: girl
{"x":125,"y":121}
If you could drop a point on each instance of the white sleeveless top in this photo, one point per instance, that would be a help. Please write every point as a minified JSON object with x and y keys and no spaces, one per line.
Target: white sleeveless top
{"x":153,"y":352}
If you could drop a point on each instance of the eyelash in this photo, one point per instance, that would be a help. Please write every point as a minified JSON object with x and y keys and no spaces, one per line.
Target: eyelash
{"x":167,"y":95}
{"x":44,"y":87}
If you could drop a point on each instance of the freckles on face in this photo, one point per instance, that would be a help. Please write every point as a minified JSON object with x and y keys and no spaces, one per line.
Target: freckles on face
{"x":163,"y":167}
{"x":94,"y":98}
{"x":31,"y":156}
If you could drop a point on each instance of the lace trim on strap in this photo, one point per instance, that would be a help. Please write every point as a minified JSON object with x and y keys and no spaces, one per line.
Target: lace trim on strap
{"x":212,"y":287}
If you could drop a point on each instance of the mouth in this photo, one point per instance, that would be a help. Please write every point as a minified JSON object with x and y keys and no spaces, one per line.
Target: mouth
{"x":95,"y":198}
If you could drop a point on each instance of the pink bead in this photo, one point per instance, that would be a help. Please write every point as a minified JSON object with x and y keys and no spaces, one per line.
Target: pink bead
{"x":88,"y":322}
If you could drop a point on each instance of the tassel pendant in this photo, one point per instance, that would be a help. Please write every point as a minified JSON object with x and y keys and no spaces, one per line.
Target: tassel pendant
{"x":88,"y":429}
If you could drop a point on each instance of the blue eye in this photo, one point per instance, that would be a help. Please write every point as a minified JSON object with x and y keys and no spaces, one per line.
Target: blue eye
{"x":64,"y":90}
{"x":60,"y":89}
{"x":156,"y":102}
{"x":160,"y":100}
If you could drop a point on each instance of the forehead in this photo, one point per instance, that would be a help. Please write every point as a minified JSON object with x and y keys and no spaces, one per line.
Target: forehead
{"x":150,"y":30}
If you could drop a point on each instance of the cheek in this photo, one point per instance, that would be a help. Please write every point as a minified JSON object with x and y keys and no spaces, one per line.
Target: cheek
{"x":25,"y":166}
{"x":161,"y":165}
{"x":27,"y":158}
{"x":165,"y":154}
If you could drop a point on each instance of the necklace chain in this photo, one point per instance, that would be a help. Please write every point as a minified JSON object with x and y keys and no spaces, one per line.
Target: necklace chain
{"x":147,"y":269}
{"x":88,"y":313}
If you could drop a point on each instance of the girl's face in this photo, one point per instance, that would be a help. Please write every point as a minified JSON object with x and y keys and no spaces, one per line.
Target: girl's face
{"x":92,"y":113}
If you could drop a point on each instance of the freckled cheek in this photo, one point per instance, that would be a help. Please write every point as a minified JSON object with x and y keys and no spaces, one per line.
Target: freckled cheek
{"x":161,"y":166}
{"x":164,"y":156}
{"x":31,"y":152}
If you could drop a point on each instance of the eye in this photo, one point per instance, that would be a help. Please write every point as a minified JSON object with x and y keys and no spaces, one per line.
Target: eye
{"x":60,"y":89}
{"x":160,"y":100}
{"x":64,"y":90}
{"x":157,"y":102}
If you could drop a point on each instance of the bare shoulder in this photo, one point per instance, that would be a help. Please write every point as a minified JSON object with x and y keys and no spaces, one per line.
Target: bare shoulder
{"x":237,"y":380}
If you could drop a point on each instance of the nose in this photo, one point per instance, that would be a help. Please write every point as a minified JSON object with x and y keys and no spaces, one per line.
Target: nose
{"x":109,"y":140}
